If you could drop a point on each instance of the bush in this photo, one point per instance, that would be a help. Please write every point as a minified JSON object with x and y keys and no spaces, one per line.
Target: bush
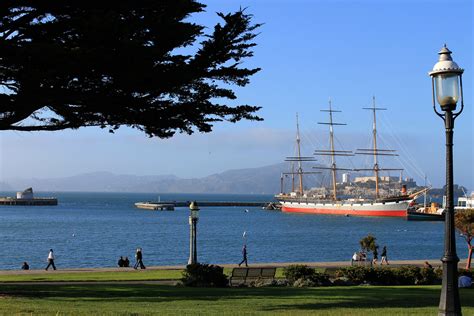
{"x":356,"y":275}
{"x":204,"y":275}
{"x":295,"y":272}
{"x":304,"y":276}
{"x":405,"y":275}
{"x":428,"y":276}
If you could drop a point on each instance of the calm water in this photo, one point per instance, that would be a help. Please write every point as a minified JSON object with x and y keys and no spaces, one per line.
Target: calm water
{"x":94,"y":229}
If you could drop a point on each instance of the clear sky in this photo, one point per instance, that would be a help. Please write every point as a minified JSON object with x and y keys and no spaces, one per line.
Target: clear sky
{"x":309,"y":51}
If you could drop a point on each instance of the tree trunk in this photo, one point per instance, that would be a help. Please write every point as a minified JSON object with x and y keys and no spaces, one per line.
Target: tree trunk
{"x":469,"y":255}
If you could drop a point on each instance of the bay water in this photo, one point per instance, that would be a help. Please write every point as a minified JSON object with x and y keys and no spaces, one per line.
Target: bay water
{"x":94,"y":229}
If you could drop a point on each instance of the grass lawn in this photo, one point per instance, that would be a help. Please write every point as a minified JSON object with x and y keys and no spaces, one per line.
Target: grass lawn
{"x":120,"y":299}
{"x":131,"y":275}
{"x":125,"y":275}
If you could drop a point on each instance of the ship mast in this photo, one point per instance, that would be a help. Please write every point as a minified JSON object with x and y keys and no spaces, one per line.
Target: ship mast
{"x":332,"y":152}
{"x":299,"y":159}
{"x":333,"y":157}
{"x":298,"y":141}
{"x":374,"y":151}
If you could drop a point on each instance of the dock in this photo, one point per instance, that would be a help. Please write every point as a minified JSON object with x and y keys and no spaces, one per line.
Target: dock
{"x":27,"y":198}
{"x":171,"y":205}
{"x":28,"y":202}
{"x":155,"y":206}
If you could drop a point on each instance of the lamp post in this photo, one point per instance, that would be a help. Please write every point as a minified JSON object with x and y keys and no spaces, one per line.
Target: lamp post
{"x":193,"y":219}
{"x":446,"y":78}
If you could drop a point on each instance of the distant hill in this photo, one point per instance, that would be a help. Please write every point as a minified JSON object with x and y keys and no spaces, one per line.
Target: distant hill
{"x":263,"y":180}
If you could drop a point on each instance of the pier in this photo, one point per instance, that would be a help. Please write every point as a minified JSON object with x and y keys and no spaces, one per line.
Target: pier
{"x":28,"y":202}
{"x":170,"y":205}
{"x":27,"y":198}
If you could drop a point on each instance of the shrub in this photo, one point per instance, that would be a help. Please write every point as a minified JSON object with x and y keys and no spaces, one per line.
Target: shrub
{"x":384,"y":276}
{"x":304,"y":276}
{"x":356,"y":275}
{"x":428,"y":276}
{"x":405,"y":275}
{"x":295,"y":272}
{"x":204,"y":275}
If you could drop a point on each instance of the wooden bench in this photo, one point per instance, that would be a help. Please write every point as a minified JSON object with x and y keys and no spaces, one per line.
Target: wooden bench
{"x":247,"y":275}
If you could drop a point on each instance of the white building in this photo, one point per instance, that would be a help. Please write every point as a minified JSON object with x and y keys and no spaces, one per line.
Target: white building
{"x":25,"y":195}
{"x":346,"y":178}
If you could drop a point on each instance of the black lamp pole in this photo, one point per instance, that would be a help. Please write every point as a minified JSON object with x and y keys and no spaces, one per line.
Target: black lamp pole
{"x":193,"y":219}
{"x":447,"y":77}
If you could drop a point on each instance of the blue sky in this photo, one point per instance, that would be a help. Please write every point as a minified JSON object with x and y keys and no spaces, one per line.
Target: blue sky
{"x":309,"y":51}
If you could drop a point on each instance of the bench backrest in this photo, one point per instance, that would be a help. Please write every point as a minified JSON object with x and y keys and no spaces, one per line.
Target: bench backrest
{"x":254,"y":272}
{"x":268,"y":272}
{"x":239,"y":272}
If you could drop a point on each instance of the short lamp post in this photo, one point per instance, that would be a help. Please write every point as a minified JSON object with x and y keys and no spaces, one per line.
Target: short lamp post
{"x":447,"y":91}
{"x":193,"y":219}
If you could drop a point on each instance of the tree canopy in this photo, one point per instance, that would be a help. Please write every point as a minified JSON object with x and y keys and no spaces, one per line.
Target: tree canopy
{"x":368,"y":243}
{"x":143,"y":63}
{"x":464,"y":222}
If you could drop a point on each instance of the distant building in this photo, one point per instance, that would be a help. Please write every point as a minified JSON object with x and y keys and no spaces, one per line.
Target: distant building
{"x":383,"y":179}
{"x":346,"y":178}
{"x":25,"y":195}
{"x":409,"y":182}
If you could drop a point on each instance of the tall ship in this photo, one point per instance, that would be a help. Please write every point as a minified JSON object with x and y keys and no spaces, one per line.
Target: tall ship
{"x":298,"y":201}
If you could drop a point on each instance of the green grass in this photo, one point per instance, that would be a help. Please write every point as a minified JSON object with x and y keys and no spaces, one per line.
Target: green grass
{"x":125,"y":275}
{"x":120,"y":299}
{"x":133,"y":275}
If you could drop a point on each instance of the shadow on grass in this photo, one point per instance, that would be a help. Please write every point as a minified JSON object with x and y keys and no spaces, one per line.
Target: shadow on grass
{"x":269,"y":299}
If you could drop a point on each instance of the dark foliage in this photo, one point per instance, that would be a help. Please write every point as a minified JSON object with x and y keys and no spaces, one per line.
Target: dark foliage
{"x":305,"y":276}
{"x":368,"y":243}
{"x":143,"y":64}
{"x":204,"y":275}
{"x":405,"y":275}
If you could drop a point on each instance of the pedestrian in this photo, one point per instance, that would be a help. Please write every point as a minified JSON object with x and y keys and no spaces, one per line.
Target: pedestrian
{"x":121,"y":262}
{"x":25,"y":266}
{"x":244,"y":256}
{"x":126,"y":263}
{"x":374,"y":261}
{"x":50,"y":260}
{"x":384,"y":256}
{"x":139,"y":257}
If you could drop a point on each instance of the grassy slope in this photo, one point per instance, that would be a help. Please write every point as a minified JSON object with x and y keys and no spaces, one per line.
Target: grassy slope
{"x":126,"y":275}
{"x":159,"y":299}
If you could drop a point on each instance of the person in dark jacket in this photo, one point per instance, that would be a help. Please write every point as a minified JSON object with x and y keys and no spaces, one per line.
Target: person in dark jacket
{"x":126,"y":262}
{"x":121,"y":262}
{"x":139,"y":257}
{"x":244,"y":255}
{"x":384,"y":256}
{"x":25,"y":266}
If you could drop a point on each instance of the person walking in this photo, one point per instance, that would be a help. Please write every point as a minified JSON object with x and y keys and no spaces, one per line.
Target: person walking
{"x":374,"y":261}
{"x":244,"y":255}
{"x":139,"y":257}
{"x":384,"y":256}
{"x":50,"y":260}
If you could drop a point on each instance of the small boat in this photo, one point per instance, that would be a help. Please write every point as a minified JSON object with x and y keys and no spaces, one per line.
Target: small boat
{"x":422,"y":213}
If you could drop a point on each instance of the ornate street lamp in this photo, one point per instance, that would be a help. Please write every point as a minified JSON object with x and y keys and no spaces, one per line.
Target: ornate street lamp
{"x":446,"y":79}
{"x":193,"y":219}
